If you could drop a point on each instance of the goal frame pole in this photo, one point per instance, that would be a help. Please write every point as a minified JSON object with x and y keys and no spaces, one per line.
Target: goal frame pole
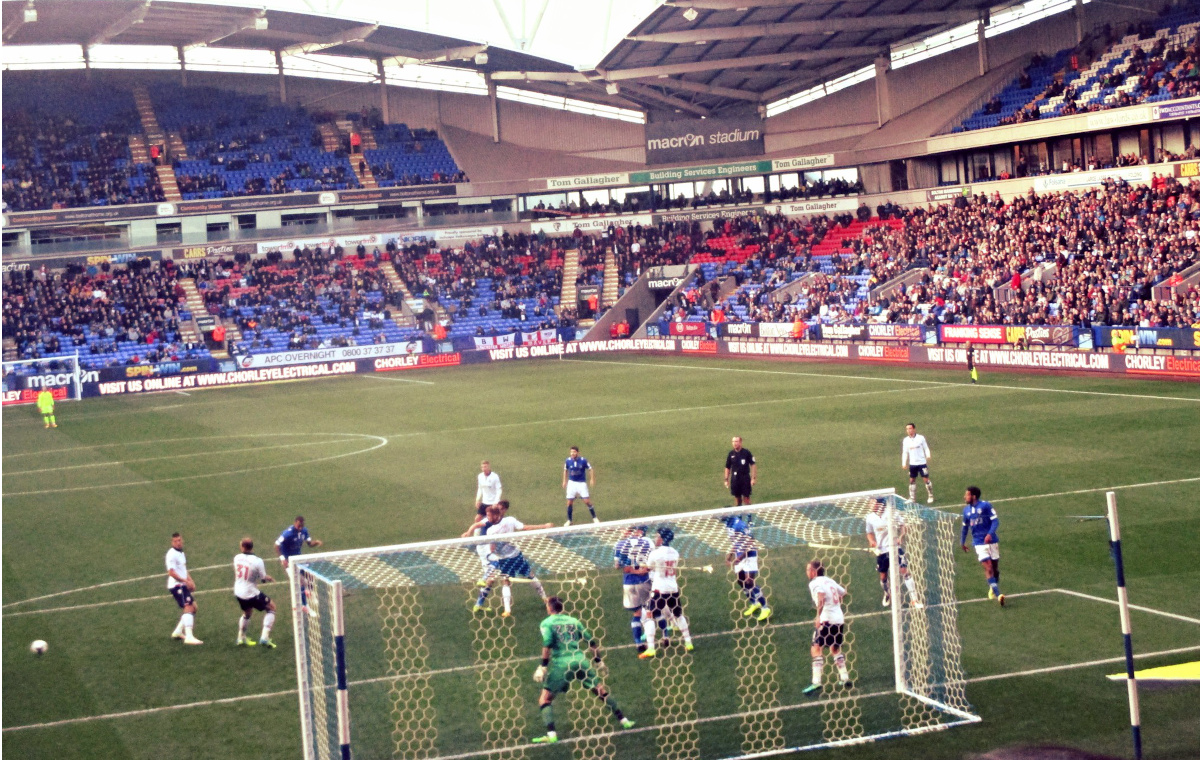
{"x":894,"y":593}
{"x":1114,"y":542}
{"x":300,"y":643}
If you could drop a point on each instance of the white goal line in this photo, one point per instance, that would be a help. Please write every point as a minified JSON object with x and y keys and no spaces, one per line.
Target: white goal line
{"x":463,"y":668}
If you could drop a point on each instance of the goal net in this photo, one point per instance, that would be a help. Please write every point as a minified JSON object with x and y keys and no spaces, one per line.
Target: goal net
{"x":24,"y":379}
{"x":397,"y":657}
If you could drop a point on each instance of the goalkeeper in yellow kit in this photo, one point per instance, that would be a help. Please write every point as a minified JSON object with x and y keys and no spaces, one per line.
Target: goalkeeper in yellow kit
{"x":564,"y":659}
{"x":45,"y":404}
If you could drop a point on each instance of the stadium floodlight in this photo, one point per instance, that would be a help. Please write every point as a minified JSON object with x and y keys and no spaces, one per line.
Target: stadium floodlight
{"x":481,"y":58}
{"x":612,"y":88}
{"x":402,"y":640}
{"x":690,"y":14}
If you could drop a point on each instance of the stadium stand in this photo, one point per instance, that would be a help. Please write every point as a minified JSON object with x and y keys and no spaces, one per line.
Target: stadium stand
{"x":1153,"y":62}
{"x":320,"y":299}
{"x":110,"y":316}
{"x":494,"y":286}
{"x":410,"y":157}
{"x":67,"y":147}
{"x":242,"y":145}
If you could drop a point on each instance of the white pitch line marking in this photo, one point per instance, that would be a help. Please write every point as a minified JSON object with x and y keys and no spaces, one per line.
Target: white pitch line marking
{"x":1150,"y":610}
{"x":183,"y":393}
{"x":382,"y":441}
{"x":1148,"y":484}
{"x":290,"y":692}
{"x":399,"y":379}
{"x":886,"y":379}
{"x":645,"y":412}
{"x":113,"y":463}
{"x":114,"y":602}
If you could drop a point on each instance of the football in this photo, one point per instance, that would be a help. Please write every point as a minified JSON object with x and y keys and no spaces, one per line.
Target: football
{"x":38,"y":647}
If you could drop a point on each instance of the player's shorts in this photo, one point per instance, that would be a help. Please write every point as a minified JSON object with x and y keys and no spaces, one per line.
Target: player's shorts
{"x":183,"y":595}
{"x":884,"y":561}
{"x":577,"y":489}
{"x":513,"y":567}
{"x":260,"y":602}
{"x":748,"y":564}
{"x":560,"y":675}
{"x":637,"y":595}
{"x":828,"y":635}
{"x":987,"y":551}
{"x":671,"y":602}
{"x":740,"y":487}
{"x":918,"y":471}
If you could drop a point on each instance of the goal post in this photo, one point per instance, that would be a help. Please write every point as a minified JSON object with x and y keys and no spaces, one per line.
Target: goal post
{"x":23,"y":379}
{"x":401,"y":653}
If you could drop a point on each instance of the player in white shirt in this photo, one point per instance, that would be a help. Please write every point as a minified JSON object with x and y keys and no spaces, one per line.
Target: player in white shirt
{"x":506,"y":559}
{"x":488,"y":490}
{"x":914,"y":456}
{"x":665,"y":600}
{"x":248,"y":572}
{"x":828,"y":627}
{"x":181,"y":586}
{"x":880,"y":539}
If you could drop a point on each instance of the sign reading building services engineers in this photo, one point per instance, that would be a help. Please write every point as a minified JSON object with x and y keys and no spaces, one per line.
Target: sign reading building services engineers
{"x":697,"y":139}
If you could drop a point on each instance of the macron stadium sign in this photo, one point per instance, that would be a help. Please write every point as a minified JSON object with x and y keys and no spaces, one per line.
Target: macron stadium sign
{"x":697,"y":139}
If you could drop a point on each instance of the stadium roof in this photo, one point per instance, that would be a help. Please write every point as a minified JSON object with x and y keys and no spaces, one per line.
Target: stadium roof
{"x":698,"y":57}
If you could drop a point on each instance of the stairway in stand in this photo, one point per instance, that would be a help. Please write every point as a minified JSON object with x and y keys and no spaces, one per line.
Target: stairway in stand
{"x":189,"y":330}
{"x":570,"y":291}
{"x":156,"y":136}
{"x":331,"y":140}
{"x":398,"y":316}
{"x":138,"y":149}
{"x":612,"y":281}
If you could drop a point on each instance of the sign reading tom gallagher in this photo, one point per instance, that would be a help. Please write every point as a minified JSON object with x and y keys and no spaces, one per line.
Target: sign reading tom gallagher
{"x":696,"y":139}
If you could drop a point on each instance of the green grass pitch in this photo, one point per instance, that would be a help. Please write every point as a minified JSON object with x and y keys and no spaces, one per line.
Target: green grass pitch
{"x":392,"y":459}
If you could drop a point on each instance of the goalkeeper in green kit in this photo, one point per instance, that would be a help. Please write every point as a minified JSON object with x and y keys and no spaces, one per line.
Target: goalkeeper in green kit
{"x":569,"y":653}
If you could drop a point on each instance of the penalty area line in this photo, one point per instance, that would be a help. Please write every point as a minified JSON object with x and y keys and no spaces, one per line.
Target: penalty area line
{"x":399,"y":380}
{"x":1148,"y":484}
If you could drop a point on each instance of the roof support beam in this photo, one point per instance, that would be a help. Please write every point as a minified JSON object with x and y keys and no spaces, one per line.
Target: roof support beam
{"x":822,"y":26}
{"x":541,"y":76}
{"x":748,"y":62}
{"x":250,"y":22}
{"x":355,"y":34}
{"x":705,"y":89}
{"x":733,"y":5}
{"x":646,"y":93}
{"x":464,"y":53}
{"x":17,"y":22}
{"x":800,"y":83}
{"x":135,"y":16}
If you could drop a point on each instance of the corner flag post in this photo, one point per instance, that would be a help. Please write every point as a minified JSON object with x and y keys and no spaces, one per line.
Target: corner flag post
{"x":1114,"y":531}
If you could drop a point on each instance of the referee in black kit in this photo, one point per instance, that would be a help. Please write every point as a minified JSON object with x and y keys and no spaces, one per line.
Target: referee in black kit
{"x":741,"y":472}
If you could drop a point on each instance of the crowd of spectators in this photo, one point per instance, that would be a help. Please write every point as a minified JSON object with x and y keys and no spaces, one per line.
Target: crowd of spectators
{"x":1155,"y":64}
{"x":281,"y":305}
{"x":110,"y":316}
{"x":647,"y":202}
{"x":523,"y":272}
{"x":54,"y":162}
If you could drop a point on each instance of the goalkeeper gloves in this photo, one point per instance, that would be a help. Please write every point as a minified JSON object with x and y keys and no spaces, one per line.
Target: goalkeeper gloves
{"x":539,"y":675}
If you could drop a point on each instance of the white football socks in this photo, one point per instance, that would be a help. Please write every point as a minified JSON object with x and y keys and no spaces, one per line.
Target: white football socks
{"x":268,"y":624}
{"x":506,"y":597}
{"x":243,"y":623}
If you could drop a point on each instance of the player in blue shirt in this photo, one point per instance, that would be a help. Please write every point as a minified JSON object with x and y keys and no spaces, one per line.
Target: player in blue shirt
{"x":576,"y":475}
{"x":743,"y":558}
{"x":292,"y":539}
{"x":981,"y":520}
{"x":630,"y":555}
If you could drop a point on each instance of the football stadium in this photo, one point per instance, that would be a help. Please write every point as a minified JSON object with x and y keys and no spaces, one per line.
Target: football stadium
{"x":598,"y":379}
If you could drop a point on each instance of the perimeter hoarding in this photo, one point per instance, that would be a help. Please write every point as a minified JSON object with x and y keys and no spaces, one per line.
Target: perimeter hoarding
{"x":1086,"y":362}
